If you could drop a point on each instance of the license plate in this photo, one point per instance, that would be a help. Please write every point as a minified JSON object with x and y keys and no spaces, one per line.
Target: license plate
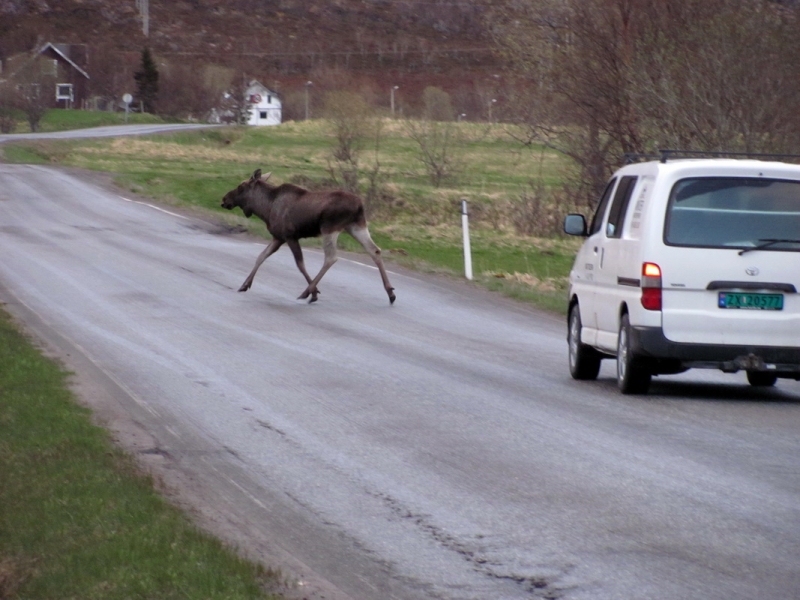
{"x":751,"y":301}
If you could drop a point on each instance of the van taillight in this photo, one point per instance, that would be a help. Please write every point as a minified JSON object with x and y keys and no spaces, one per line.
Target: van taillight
{"x":651,"y":286}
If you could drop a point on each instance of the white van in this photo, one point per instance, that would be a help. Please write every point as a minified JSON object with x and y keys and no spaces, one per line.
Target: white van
{"x":689,"y":263}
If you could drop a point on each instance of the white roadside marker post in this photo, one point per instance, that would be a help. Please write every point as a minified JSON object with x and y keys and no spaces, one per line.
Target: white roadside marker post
{"x":467,"y":249}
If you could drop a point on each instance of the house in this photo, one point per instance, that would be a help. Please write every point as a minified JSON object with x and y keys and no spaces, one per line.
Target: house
{"x":265,"y":106}
{"x":62,"y":66}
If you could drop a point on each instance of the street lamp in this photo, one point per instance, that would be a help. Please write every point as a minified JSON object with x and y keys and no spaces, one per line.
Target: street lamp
{"x":396,"y":87}
{"x":308,"y":83}
{"x":490,"y":109}
{"x":462,"y":116}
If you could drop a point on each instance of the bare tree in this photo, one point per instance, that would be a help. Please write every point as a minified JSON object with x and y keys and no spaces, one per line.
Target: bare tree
{"x":112,"y":75}
{"x":7,"y":108}
{"x":437,"y":136}
{"x":35,"y":90}
{"x":437,"y":104}
{"x":437,"y":143}
{"x":707,"y":89}
{"x":236,"y":102}
{"x":352,"y":122}
{"x":606,"y":77}
{"x":185,"y":92}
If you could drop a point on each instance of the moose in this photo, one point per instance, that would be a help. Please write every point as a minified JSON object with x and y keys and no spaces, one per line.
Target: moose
{"x":292,"y":213}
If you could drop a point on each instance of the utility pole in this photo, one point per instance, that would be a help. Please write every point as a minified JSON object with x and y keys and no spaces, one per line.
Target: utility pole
{"x":144,"y":12}
{"x":308,"y":83}
{"x":396,"y":87}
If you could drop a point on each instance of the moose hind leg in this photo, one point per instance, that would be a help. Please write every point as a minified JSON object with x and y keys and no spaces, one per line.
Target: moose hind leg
{"x":329,"y":246}
{"x":268,"y":251}
{"x":361,"y":234}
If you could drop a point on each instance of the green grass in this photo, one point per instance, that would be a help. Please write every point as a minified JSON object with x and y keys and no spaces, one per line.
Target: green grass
{"x":23,"y":154}
{"x":78,"y":519}
{"x":63,"y":120}
{"x":419,"y":222}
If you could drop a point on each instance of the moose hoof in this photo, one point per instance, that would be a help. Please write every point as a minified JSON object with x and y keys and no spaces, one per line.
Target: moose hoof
{"x":244,"y":287}
{"x":308,"y":293}
{"x":392,"y":297}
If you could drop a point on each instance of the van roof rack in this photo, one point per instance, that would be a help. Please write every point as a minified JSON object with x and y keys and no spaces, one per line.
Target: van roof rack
{"x":664,"y":155}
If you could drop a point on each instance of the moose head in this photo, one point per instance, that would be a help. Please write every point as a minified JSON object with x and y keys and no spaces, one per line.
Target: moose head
{"x":240,"y":195}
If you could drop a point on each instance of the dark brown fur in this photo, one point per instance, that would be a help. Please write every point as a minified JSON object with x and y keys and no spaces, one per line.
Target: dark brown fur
{"x":292,"y":213}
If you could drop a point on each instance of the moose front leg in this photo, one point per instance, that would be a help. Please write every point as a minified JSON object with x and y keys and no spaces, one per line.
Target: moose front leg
{"x":329,"y":246}
{"x":269,"y":250}
{"x":297,"y":252}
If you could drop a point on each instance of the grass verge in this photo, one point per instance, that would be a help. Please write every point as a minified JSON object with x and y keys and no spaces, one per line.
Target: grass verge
{"x":63,"y":120}
{"x":78,"y":519}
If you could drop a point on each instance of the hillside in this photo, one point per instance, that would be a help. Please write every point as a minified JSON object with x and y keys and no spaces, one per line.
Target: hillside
{"x":378,"y":43}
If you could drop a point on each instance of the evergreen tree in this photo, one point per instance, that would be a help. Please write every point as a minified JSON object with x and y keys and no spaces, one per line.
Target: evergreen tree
{"x":147,"y":82}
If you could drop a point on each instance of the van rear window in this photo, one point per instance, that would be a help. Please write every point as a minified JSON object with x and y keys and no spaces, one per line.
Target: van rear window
{"x":734,"y":212}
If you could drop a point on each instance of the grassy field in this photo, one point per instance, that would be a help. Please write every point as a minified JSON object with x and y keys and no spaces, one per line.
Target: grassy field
{"x":416,"y":224}
{"x":78,"y":519}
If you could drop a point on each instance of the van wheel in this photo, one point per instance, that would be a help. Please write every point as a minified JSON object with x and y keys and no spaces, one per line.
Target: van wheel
{"x":584,"y":361}
{"x":632,"y":377}
{"x":761,"y":378}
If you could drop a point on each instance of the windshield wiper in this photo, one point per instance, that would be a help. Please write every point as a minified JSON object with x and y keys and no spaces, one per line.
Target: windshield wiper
{"x":766,"y":243}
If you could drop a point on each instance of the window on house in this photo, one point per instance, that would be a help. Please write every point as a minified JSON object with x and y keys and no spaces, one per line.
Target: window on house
{"x":269,"y":99}
{"x":262,"y":114}
{"x":64,"y":91}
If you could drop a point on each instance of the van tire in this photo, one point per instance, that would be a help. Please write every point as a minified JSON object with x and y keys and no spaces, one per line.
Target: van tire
{"x":761,"y":378}
{"x":584,"y":361}
{"x":632,"y":377}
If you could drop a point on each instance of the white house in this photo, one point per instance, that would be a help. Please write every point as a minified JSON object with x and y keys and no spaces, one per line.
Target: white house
{"x":265,"y":106}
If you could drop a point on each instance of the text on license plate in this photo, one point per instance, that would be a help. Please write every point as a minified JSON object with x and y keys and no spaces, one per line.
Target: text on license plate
{"x":750,"y":301}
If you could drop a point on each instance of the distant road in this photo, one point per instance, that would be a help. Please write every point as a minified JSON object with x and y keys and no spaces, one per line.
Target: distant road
{"x":434,"y":449}
{"x":109,"y":131}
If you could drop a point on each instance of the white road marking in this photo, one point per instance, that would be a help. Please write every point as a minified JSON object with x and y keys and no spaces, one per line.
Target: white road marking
{"x":155,"y":207}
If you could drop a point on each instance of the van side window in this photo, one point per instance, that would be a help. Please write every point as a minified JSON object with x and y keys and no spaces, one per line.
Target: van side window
{"x":616,"y":218}
{"x":597,"y":220}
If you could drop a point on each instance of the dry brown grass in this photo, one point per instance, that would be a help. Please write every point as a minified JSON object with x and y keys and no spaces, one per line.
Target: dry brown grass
{"x":13,"y":573}
{"x":548,"y":284}
{"x":158,"y":150}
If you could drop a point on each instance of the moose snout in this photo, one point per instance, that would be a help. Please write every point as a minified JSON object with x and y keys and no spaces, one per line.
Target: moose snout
{"x":226,"y":203}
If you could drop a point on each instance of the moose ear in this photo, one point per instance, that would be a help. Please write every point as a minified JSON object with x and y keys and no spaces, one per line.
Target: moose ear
{"x":267,"y":176}
{"x":256,"y":175}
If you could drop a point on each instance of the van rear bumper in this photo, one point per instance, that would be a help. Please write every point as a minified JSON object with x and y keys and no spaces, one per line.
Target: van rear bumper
{"x":650,"y":342}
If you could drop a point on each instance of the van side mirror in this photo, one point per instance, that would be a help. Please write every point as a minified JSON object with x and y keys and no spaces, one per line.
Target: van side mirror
{"x":575,"y":224}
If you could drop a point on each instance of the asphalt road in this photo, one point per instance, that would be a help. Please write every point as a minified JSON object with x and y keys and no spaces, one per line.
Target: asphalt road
{"x":107,"y":131}
{"x":436,"y":448}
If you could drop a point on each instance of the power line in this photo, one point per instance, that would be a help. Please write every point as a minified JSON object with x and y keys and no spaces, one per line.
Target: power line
{"x":343,"y":52}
